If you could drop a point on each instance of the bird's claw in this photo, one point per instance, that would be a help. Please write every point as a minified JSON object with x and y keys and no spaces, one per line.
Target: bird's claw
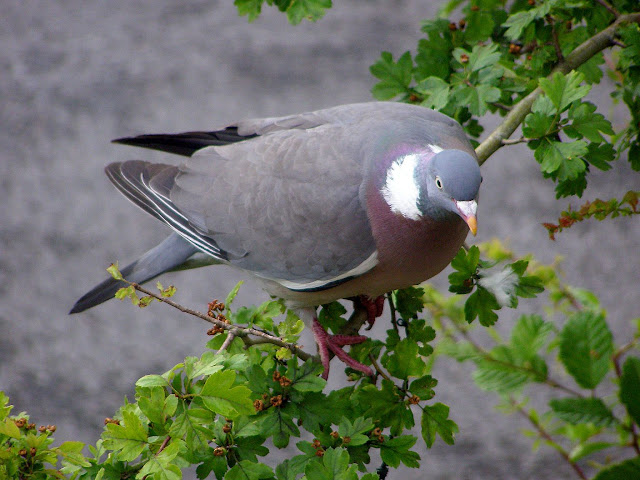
{"x":334,"y":343}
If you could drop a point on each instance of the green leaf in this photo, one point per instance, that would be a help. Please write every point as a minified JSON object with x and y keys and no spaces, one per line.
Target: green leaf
{"x":585,"y":449}
{"x":232,"y":295}
{"x":537,"y":124}
{"x":561,"y":159}
{"x":246,"y":470}
{"x":630,"y":387}
{"x":152,"y":381}
{"x":355,"y":431}
{"x":405,"y":361}
{"x":129,"y":438}
{"x":161,"y":466}
{"x":114,"y":271}
{"x":436,"y":92}
{"x":436,"y":421}
{"x":395,"y":77}
{"x":396,"y":450}
{"x":627,"y":470}
{"x":481,"y":304}
{"x":9,"y":428}
{"x":221,"y":397}
{"x":583,"y":410}
{"x":423,"y":387}
{"x":517,"y":22}
{"x":408,"y":302}
{"x":306,"y":377}
{"x":529,"y":335}
{"x":479,"y":26}
{"x":251,"y":8}
{"x":586,"y":123}
{"x":563,"y":90}
{"x":481,"y":56}
{"x":466,"y":266}
{"x":335,"y":466}
{"x":503,"y":372}
{"x":476,"y":97}
{"x":311,"y":10}
{"x":599,"y":155}
{"x":586,"y":345}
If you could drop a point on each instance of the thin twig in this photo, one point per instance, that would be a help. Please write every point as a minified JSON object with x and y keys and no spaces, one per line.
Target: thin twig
{"x":609,"y":7}
{"x":544,"y":434}
{"x":378,"y":368}
{"x":514,"y":141}
{"x":556,"y":41}
{"x":164,"y":444}
{"x":235,"y":330}
{"x":577,"y":57}
{"x":227,"y":341}
{"x":487,"y":356}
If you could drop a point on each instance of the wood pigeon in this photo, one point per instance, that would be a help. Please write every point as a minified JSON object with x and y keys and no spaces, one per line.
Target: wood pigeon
{"x":349,"y":201}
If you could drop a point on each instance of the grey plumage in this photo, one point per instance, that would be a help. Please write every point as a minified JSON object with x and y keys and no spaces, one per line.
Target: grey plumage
{"x":297,"y":200}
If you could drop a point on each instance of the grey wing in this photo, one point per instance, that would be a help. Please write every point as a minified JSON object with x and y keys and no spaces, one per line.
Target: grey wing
{"x":284,"y":206}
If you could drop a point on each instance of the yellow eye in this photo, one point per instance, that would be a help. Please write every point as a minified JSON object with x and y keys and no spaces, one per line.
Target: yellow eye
{"x":439,"y":183}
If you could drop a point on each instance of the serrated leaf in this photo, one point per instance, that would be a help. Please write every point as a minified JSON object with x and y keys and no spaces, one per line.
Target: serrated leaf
{"x":563,"y":90}
{"x":529,"y":335}
{"x":436,"y":92}
{"x":435,"y":421}
{"x":395,"y":77}
{"x":246,"y":470}
{"x":221,"y":397}
{"x":627,"y":470}
{"x":232,"y":295}
{"x":537,"y":124}
{"x":128,"y":439}
{"x":405,"y":361}
{"x":583,"y":410}
{"x":306,"y":377}
{"x":630,"y":387}
{"x":517,"y":22}
{"x":312,"y":10}
{"x":586,"y":345}
{"x":505,"y":371}
{"x":561,"y":159}
{"x":481,"y":304}
{"x":9,"y":428}
{"x":599,"y":155}
{"x":396,"y":451}
{"x":251,"y":8}
{"x":586,"y":123}
{"x":476,"y":97}
{"x":408,"y":301}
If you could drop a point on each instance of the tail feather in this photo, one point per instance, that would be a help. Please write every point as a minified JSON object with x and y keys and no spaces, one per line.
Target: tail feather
{"x":185,"y":143}
{"x":171,"y":253}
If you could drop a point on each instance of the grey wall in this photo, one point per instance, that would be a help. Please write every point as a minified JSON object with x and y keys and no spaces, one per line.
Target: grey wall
{"x":76,"y":74}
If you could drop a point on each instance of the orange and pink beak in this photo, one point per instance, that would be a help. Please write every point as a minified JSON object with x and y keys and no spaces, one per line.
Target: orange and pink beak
{"x":467,"y":211}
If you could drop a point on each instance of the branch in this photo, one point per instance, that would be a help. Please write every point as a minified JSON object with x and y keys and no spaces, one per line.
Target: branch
{"x":234,"y":330}
{"x":544,"y":434}
{"x":581,"y":54}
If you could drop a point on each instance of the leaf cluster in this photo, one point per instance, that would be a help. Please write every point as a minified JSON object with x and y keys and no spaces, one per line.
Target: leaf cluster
{"x":494,"y":57}
{"x":584,"y":416}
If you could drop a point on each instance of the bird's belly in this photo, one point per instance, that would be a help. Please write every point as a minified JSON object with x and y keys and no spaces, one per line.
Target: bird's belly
{"x":404,"y":261}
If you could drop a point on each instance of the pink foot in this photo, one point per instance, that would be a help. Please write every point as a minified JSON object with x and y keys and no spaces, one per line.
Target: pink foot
{"x":373,"y":306}
{"x":334,"y":343}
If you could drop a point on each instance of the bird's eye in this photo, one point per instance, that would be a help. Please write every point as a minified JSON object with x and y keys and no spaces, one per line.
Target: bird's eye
{"x":439,"y":183}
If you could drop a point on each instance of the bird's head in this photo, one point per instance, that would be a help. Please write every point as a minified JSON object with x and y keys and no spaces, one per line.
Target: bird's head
{"x":435,"y":186}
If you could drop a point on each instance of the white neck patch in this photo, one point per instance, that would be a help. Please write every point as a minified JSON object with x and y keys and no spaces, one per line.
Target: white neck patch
{"x":400,"y":189}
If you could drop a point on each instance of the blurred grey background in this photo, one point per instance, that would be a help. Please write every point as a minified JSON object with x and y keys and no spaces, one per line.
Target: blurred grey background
{"x":76,"y":74}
